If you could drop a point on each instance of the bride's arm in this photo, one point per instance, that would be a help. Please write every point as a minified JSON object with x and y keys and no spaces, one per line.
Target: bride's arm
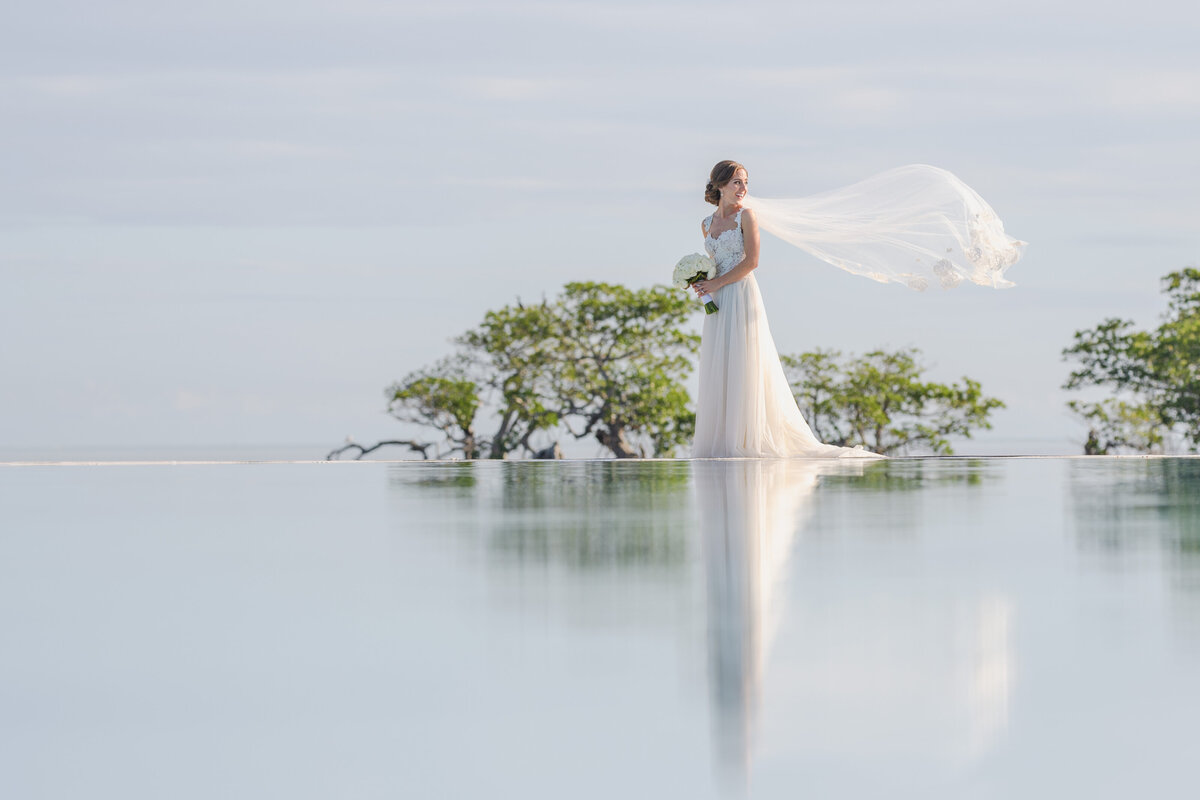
{"x":749,"y":261}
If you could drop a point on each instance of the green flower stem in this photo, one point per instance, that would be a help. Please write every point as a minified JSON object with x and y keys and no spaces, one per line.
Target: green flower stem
{"x":710,"y":307}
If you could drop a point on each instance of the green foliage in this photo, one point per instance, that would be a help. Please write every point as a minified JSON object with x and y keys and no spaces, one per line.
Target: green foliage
{"x":509,"y":352}
{"x":813,"y":377}
{"x":879,"y":400}
{"x":622,"y":357}
{"x":443,"y":398}
{"x":1152,"y":377}
{"x":1118,"y":426}
{"x":600,"y":360}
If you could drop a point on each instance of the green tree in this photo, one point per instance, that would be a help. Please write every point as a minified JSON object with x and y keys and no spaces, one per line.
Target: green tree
{"x":1151,"y":377}
{"x":600,"y":360}
{"x":814,"y":377}
{"x":880,"y":401}
{"x":509,"y":353}
{"x":441,"y":397}
{"x":622,"y":357}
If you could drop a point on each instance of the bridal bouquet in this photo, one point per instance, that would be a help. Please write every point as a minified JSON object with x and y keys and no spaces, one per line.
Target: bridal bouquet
{"x":692,"y":268}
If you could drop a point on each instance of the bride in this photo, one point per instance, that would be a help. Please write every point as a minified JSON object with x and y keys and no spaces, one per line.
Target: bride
{"x":746,"y":408}
{"x":916,"y":225}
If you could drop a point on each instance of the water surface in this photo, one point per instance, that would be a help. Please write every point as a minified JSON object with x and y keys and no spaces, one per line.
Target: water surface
{"x":917,"y":628}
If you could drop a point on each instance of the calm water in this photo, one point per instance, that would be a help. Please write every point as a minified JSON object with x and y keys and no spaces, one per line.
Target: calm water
{"x":922,"y":628}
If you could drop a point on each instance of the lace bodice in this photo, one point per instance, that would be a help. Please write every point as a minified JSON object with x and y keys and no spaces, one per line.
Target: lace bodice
{"x":728,"y":248}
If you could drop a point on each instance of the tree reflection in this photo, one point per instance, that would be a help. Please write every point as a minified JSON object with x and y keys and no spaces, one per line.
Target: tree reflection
{"x":457,"y":477}
{"x":583,"y":513}
{"x":593,"y":513}
{"x":914,"y":474}
{"x":1122,"y":505}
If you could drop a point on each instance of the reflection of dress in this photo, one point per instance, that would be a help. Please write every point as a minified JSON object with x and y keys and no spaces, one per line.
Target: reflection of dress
{"x":750,"y":512}
{"x":746,"y":408}
{"x":860,"y":664}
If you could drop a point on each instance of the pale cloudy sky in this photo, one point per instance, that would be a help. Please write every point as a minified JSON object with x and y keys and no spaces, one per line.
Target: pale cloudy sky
{"x":234,"y":223}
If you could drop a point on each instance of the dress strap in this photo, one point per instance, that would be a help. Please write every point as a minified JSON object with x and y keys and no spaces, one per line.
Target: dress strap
{"x":708,"y":222}
{"x":737,"y":220}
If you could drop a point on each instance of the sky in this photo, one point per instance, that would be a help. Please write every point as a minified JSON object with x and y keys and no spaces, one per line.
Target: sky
{"x":232,"y":224}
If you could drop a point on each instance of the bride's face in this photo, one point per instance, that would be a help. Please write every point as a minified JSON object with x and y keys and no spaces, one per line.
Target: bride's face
{"x":735,"y":190}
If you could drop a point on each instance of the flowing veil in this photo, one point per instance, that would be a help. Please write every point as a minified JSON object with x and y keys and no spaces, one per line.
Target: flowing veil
{"x":915,"y":225}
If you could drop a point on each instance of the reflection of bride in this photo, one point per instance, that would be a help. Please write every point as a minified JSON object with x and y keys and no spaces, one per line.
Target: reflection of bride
{"x":750,"y":511}
{"x":941,"y":670}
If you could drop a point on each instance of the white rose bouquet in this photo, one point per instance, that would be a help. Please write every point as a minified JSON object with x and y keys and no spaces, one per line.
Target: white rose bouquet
{"x":692,"y":268}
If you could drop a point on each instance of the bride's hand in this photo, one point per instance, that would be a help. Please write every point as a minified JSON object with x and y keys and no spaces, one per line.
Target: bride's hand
{"x":705,"y":287}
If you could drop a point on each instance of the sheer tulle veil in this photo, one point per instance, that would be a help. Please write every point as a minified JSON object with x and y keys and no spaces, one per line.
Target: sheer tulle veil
{"x":917,"y":225}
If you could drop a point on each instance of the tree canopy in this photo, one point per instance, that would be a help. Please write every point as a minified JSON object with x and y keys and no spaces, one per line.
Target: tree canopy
{"x":1151,"y":378}
{"x":880,"y":401}
{"x":599,"y":361}
{"x":623,"y":356}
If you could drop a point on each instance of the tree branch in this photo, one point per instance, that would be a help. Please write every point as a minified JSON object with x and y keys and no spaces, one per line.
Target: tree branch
{"x":362,"y":451}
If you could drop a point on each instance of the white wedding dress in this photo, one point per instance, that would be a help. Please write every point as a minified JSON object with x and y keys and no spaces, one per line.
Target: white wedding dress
{"x":746,"y":408}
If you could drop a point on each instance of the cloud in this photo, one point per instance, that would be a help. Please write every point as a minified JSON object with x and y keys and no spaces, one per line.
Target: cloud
{"x":188,"y":400}
{"x":252,"y":149}
{"x":497,"y":88}
{"x":1172,"y":91}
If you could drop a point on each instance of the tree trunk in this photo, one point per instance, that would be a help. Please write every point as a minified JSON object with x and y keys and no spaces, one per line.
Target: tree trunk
{"x":470,"y":449}
{"x":497,"y":449}
{"x":553,"y":451}
{"x":614,"y":439}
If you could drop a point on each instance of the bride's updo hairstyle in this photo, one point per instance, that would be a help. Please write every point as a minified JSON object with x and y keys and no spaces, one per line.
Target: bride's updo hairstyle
{"x":721,"y":174}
